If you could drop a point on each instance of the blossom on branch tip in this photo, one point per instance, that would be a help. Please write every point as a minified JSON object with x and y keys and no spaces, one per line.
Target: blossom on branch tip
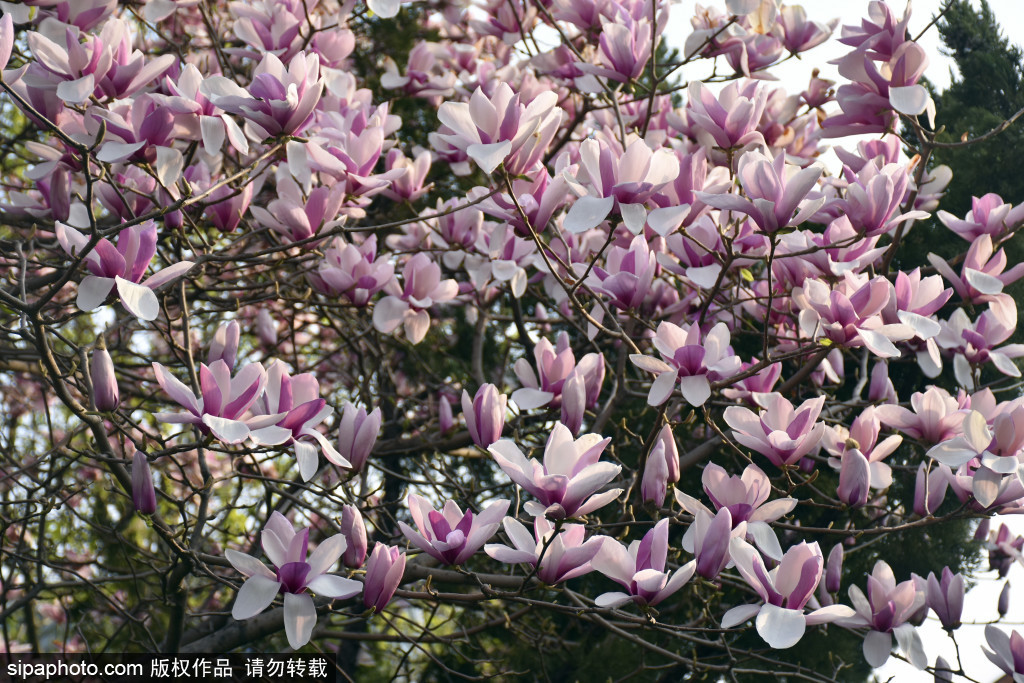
{"x":122,"y":267}
{"x":785,"y":590}
{"x":640,"y":569}
{"x":485,"y":414}
{"x":692,"y":361}
{"x":567,"y":482}
{"x":561,"y":551}
{"x":384,"y":571}
{"x":781,"y":433}
{"x":449,"y":535}
{"x":295,"y":576}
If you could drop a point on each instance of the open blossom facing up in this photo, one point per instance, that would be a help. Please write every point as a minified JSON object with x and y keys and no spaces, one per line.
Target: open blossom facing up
{"x":122,"y":267}
{"x":785,"y":590}
{"x":640,"y":569}
{"x":558,"y":554}
{"x":449,"y":535}
{"x":780,"y":433}
{"x":567,"y":482}
{"x":692,"y":359}
{"x":295,"y":575}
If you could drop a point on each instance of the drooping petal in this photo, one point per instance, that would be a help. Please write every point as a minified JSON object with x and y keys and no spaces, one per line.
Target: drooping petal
{"x":254,"y":596}
{"x":299,"y":618}
{"x":781,"y":628}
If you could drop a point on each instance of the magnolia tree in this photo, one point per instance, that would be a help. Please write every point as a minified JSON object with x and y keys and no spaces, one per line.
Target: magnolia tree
{"x":463,"y":340}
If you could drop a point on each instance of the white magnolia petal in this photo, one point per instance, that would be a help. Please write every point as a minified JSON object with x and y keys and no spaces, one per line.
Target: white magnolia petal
{"x":299,"y":618}
{"x":384,"y":8}
{"x":909,"y":99}
{"x":93,"y":292}
{"x":336,"y":587}
{"x":877,"y":647}
{"x":781,"y":628}
{"x":740,"y":614}
{"x":138,"y":300}
{"x":587,"y":213}
{"x":254,"y":596}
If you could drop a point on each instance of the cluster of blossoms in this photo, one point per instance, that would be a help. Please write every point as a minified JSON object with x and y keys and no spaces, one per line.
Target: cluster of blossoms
{"x":635,"y":292}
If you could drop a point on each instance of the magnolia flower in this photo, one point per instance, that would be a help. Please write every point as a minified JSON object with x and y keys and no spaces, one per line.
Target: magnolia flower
{"x":562,"y":553}
{"x":777,"y":192}
{"x":1007,"y":652}
{"x":746,"y":498}
{"x":357,"y":435}
{"x":786,"y":589}
{"x":609,"y":176}
{"x":223,"y":402}
{"x":934,"y":415}
{"x":640,"y":569}
{"x":998,"y":449}
{"x":286,"y":547}
{"x":555,"y":364}
{"x":946,"y":597}
{"x":989,"y":215}
{"x":384,"y":571}
{"x":694,"y":362}
{"x":408,"y":306}
{"x":730,"y":120}
{"x":500,"y":129}
{"x":709,"y":538}
{"x":105,"y":393}
{"x":566,"y":483}
{"x":485,"y":414}
{"x":451,"y":536}
{"x":121,"y":267}
{"x":885,"y":611}
{"x":296,"y":405}
{"x":982,"y":275}
{"x":779,"y":432}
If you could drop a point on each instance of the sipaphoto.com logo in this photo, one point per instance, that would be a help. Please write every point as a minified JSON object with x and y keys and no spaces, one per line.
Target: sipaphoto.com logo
{"x":22,"y":670}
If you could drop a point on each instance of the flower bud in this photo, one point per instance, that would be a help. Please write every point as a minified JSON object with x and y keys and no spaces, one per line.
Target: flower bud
{"x":105,"y":393}
{"x":485,"y":414}
{"x":357,"y":434}
{"x":574,"y":397}
{"x":930,"y":489}
{"x":445,"y":419}
{"x":666,"y":437}
{"x":943,"y":674}
{"x":834,"y":569}
{"x":654,"y":486}
{"x":854,"y":478}
{"x":946,"y":597}
{"x":266,"y":328}
{"x":225,"y":344}
{"x":384,"y":571}
{"x":143,"y":492}
{"x":354,"y":530}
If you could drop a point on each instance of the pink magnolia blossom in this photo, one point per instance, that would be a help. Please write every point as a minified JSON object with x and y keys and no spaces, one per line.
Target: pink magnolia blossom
{"x":989,"y":215}
{"x":849,"y":314}
{"x":485,"y":414}
{"x":279,"y":101}
{"x":982,"y":276}
{"x":407,"y":306}
{"x":862,"y":436}
{"x":933,"y":416}
{"x":612,"y":177}
{"x":730,"y":120}
{"x":296,"y":404}
{"x":352,"y":271}
{"x":708,"y":540}
{"x":779,"y":432}
{"x":500,"y":129}
{"x":296,"y":574}
{"x":384,"y":571}
{"x":354,"y":529}
{"x":776,"y":192}
{"x":997,"y":447}
{"x":746,"y":498}
{"x":688,"y":359}
{"x":223,"y":403}
{"x":357,"y":435}
{"x":930,"y":486}
{"x":411,"y":186}
{"x":122,"y":267}
{"x":640,"y":569}
{"x":1007,"y":652}
{"x":945,"y":596}
{"x":297,"y":216}
{"x":567,"y":482}
{"x":558,"y":554}
{"x":451,"y":536}
{"x":886,"y":611}
{"x":977,"y":343}
{"x":785,"y":590}
{"x":143,"y":491}
{"x":554,"y":365}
